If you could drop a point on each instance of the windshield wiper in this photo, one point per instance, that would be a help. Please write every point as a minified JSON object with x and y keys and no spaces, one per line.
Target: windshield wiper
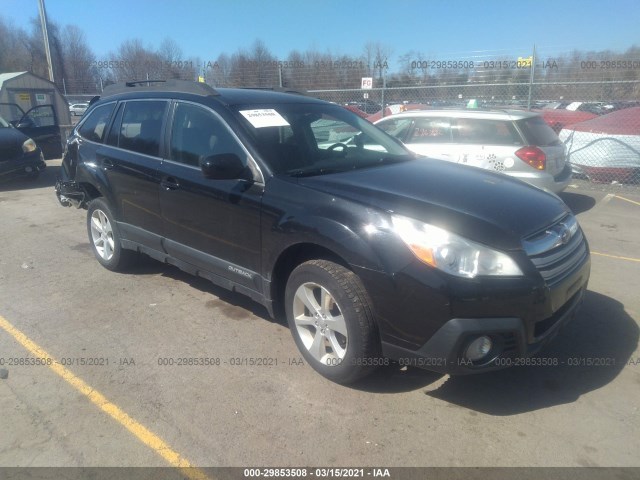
{"x":312,"y":172}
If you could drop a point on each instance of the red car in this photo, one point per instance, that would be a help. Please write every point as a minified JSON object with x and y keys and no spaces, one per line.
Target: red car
{"x":558,"y":119}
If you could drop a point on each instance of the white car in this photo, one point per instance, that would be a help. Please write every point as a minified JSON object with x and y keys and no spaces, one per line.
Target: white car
{"x":514,"y":142}
{"x":78,"y":109}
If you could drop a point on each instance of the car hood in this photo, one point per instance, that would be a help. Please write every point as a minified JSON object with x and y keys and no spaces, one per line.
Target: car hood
{"x":487,"y":207}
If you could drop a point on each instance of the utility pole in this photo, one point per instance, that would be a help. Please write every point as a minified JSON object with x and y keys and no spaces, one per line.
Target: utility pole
{"x":45,"y":35}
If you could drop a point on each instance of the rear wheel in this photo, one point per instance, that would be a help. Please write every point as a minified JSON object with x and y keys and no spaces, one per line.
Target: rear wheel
{"x":105,"y":237}
{"x":330,"y":317}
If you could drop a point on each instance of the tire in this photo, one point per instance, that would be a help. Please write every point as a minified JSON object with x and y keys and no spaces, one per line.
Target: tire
{"x":105,"y":238}
{"x":318,"y":295}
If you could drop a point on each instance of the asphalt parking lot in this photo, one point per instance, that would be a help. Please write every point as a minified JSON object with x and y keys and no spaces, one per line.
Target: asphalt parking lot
{"x":114,"y":399}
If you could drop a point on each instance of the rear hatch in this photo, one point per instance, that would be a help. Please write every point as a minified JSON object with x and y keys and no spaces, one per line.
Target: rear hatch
{"x":538,"y":133}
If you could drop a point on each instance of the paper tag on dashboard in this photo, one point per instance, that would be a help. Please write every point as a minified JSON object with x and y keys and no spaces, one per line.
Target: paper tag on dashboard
{"x":266,"y":117}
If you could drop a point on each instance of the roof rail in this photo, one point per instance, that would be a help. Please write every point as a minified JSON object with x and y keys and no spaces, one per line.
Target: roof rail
{"x":278,"y":89}
{"x":171,"y":85}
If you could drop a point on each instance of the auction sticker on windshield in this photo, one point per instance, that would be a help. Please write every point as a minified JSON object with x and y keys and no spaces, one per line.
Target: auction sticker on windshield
{"x":266,"y":117}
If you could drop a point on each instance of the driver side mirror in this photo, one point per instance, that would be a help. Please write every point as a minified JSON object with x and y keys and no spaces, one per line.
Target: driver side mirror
{"x":224,"y":166}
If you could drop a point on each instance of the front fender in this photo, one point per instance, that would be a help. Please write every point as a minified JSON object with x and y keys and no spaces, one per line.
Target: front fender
{"x":363,"y":246}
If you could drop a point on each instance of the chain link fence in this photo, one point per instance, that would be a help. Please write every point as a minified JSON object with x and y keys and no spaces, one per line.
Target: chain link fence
{"x":591,"y":100}
{"x":602,"y":135}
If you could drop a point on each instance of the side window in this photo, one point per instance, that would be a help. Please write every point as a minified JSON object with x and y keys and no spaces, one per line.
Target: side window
{"x":41,"y":116}
{"x":141,"y":127}
{"x":93,"y":128}
{"x":431,"y":130}
{"x":197,"y":133}
{"x":397,"y":128}
{"x":486,"y":132}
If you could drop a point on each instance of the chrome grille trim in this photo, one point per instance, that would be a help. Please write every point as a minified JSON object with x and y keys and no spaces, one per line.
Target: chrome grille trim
{"x":552,"y":237}
{"x":554,"y":257}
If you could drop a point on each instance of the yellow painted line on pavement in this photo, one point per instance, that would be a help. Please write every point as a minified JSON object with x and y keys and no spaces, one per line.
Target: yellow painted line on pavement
{"x":142,"y":433}
{"x":627,"y":200}
{"x":629,"y":259}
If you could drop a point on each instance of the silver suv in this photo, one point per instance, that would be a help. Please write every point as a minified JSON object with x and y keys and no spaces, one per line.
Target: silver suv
{"x":517,"y":143}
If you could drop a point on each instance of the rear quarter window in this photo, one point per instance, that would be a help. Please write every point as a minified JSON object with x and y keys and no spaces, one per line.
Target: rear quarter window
{"x":537,"y":132}
{"x":93,"y":128}
{"x":141,"y":127}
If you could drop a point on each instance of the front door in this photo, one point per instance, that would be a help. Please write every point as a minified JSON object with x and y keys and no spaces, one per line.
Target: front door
{"x":41,"y":124}
{"x":211,"y":224}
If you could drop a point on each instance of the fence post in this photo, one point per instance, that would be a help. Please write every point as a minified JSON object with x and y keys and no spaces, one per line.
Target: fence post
{"x":384,"y":85}
{"x":531,"y":77}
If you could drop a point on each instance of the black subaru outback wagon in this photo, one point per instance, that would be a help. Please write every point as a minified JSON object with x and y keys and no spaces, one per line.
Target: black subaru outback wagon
{"x":371,"y":252}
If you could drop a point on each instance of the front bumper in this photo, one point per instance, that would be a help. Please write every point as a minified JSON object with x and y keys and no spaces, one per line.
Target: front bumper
{"x":26,"y":164}
{"x":428,"y":319}
{"x":443,"y":352}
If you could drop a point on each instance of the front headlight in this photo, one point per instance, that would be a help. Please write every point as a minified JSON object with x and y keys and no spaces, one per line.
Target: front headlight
{"x":29,"y":146}
{"x":451,"y":253}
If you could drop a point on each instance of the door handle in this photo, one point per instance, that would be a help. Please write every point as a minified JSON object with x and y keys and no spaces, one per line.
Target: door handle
{"x":108,"y":164}
{"x":170,"y":183}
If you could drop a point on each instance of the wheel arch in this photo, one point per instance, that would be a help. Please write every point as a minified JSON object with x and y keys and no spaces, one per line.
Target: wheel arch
{"x":289,"y":259}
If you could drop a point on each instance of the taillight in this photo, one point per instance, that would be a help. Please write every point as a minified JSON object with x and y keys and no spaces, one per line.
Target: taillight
{"x":533,"y":156}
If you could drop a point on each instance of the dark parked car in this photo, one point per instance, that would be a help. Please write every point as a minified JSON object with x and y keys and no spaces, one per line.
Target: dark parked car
{"x":39,"y":123}
{"x":366,"y":106}
{"x":19,"y":154}
{"x":371,"y":253}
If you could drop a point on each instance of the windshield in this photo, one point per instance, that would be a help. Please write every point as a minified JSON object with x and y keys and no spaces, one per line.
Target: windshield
{"x":314,"y":139}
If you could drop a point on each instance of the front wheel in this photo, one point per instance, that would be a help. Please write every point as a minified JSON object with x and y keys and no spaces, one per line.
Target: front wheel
{"x":105,"y":237}
{"x":330,"y":317}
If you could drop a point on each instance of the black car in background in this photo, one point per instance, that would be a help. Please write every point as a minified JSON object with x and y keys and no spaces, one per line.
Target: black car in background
{"x":370,"y":252}
{"x":19,"y":154}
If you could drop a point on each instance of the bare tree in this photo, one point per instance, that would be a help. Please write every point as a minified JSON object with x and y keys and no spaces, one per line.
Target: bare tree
{"x":14,"y":49}
{"x":79,"y":61}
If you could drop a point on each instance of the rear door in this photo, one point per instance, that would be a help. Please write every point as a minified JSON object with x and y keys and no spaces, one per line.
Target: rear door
{"x":130,"y":159}
{"x":486,"y":143}
{"x":432,"y":137}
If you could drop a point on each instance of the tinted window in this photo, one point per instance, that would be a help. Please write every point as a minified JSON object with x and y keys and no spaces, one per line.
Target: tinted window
{"x":431,"y":130}
{"x":141,"y":126}
{"x":537,"y":132}
{"x":486,"y":132}
{"x":94,"y":126}
{"x":197,"y":133}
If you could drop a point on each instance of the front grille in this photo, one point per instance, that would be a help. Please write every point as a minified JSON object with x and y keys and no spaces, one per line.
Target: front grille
{"x":543,"y":326}
{"x":554,"y":257}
